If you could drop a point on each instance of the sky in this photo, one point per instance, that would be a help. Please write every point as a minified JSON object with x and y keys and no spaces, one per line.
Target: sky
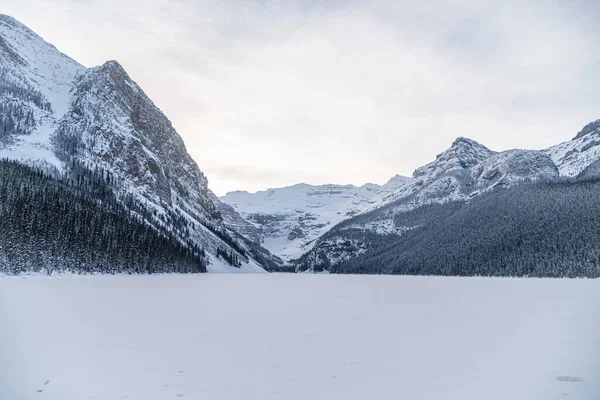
{"x":273,"y":93}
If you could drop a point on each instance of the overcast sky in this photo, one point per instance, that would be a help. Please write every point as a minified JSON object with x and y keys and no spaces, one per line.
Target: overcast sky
{"x":271,"y":93}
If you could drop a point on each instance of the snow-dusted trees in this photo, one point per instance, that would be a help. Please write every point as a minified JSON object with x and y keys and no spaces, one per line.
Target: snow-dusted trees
{"x":229,"y":256}
{"x":15,"y":120}
{"x":14,"y":87}
{"x":77,"y":224}
{"x":542,"y":229}
{"x":18,"y":100}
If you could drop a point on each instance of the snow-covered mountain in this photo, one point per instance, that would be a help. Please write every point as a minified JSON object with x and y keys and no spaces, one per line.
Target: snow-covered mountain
{"x":310,"y":221}
{"x":288,"y":220}
{"x":468,"y":168}
{"x":464,"y":171}
{"x":56,"y":113}
{"x":61,"y":117}
{"x":293,"y":220}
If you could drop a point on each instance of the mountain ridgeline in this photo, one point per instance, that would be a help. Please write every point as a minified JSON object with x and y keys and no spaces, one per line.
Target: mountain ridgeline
{"x":473,"y":212}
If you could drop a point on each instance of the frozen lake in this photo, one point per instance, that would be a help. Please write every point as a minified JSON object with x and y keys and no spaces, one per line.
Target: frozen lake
{"x":298,"y":337}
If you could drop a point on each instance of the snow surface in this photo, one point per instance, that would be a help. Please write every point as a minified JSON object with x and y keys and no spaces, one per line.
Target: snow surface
{"x":334,"y":337}
{"x":574,"y":156}
{"x":218,"y":266}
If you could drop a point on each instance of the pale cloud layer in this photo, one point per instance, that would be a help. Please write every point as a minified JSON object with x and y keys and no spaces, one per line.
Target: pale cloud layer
{"x":272,"y":93}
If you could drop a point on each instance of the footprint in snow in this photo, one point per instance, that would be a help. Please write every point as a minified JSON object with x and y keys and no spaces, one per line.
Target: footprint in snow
{"x":571,"y":379}
{"x":173,"y":386}
{"x":41,"y":390}
{"x":179,"y":395}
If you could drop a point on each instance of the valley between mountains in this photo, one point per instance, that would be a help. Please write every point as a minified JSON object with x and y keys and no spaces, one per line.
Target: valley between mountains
{"x":94,"y":178}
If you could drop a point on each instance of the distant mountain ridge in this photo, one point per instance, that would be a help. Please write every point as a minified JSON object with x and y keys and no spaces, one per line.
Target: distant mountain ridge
{"x":289,"y":220}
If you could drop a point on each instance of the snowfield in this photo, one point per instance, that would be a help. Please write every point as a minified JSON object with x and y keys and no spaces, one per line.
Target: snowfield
{"x":281,"y":336}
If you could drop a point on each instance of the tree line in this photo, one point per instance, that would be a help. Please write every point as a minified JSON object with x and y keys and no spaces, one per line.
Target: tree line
{"x":77,"y":224}
{"x":536,"y":229}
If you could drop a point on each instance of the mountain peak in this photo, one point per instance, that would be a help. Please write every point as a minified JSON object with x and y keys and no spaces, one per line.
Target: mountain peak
{"x":589,"y":128}
{"x":114,"y":65}
{"x":466,"y":151}
{"x":463,"y":141}
{"x":116,"y":73}
{"x":397,"y":180}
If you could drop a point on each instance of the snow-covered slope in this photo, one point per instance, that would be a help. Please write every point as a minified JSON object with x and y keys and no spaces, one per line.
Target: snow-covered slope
{"x":289,"y":219}
{"x":35,"y":84}
{"x":574,"y":156}
{"x":55,"y":113}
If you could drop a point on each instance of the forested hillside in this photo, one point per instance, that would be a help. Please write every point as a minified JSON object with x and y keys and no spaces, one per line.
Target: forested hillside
{"x":97,"y":124}
{"x":77,"y":224}
{"x":541,"y":229}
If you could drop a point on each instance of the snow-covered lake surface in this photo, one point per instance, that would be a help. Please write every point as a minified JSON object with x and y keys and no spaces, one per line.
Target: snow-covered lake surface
{"x":298,"y":337}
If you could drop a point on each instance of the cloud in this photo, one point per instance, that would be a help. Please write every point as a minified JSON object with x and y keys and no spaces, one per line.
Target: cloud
{"x":342,"y":91}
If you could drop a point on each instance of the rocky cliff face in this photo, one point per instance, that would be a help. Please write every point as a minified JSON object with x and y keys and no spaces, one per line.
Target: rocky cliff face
{"x":57,"y":114}
{"x":112,"y":124}
{"x":235,"y":222}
